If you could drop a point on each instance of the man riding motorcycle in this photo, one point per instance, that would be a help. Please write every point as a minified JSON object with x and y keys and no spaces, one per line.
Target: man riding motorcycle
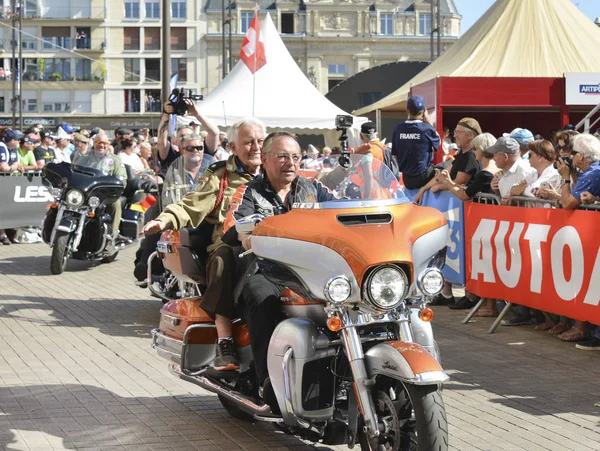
{"x":273,"y":194}
{"x":111,"y":165}
{"x":211,"y":201}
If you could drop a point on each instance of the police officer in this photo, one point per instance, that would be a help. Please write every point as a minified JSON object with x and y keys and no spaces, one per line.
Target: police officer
{"x":111,"y":165}
{"x":415,"y":142}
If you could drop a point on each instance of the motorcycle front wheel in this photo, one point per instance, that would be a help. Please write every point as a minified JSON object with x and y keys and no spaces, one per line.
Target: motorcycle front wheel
{"x":414,"y":419}
{"x":60,"y":255}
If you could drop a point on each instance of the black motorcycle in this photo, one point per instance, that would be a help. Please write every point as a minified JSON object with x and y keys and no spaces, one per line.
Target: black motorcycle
{"x":77,"y":225}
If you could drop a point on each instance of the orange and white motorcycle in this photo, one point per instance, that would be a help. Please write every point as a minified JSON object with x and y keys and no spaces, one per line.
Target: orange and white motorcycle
{"x":355,"y":360}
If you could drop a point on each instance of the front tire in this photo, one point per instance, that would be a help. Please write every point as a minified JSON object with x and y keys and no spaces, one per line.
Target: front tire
{"x":60,"y":254}
{"x":426,"y":430}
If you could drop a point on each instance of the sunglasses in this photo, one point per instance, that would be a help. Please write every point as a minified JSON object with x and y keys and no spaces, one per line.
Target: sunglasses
{"x":106,"y":143}
{"x":574,"y":152}
{"x":193,"y":148}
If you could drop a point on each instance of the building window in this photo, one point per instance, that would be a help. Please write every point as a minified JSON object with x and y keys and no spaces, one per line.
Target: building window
{"x":386,"y":24}
{"x":333,"y":82}
{"x":82,"y":102}
{"x":179,"y":66}
{"x":132,"y":9}
{"x":152,"y":70}
{"x":56,"y":101}
{"x":287,"y":23}
{"x":152,"y":38}
{"x":31,"y":69}
{"x":55,"y":38}
{"x":152,"y":101}
{"x":1,"y":104}
{"x":131,"y":38}
{"x":368,"y":98}
{"x":132,"y":100}
{"x":179,"y":10}
{"x":57,"y":69}
{"x":132,"y":69}
{"x":83,"y":69}
{"x":247,"y":17}
{"x":337,"y":69}
{"x":152,"y":9}
{"x":424,"y":23}
{"x":178,"y":38}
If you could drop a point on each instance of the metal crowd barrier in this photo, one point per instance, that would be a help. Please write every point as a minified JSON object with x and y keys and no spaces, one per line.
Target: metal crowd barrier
{"x":590,"y":207}
{"x":533,"y":202}
{"x":23,"y":199}
{"x":485,"y":198}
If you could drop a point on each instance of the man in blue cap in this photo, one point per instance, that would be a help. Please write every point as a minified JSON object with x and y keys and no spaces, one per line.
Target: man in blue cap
{"x":9,"y":157}
{"x":414,"y":144}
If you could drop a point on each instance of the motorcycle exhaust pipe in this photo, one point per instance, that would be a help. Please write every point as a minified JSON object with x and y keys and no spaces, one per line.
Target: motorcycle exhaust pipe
{"x":245,"y":403}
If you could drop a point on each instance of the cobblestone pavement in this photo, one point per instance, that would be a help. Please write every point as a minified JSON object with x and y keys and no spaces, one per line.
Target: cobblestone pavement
{"x":77,"y":372}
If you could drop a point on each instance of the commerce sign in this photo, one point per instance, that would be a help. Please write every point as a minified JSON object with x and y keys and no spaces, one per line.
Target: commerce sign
{"x":582,"y":88}
{"x":542,"y":258}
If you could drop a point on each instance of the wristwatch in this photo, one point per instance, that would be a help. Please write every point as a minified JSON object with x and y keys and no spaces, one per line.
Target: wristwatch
{"x":567,"y":181}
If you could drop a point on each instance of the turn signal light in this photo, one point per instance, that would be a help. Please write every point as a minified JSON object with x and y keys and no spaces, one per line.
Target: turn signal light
{"x":426,"y":314}
{"x":334,"y":324}
{"x":91,"y":214}
{"x":54,"y":205}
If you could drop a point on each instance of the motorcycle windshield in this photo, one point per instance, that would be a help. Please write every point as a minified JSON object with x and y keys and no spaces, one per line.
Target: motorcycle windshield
{"x":366,"y":181}
{"x":182,"y":176}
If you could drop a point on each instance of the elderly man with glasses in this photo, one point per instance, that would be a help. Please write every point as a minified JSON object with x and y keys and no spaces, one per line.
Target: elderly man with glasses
{"x":99,"y":159}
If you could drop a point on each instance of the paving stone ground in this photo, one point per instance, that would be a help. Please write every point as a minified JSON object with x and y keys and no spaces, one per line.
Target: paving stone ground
{"x":77,"y":372}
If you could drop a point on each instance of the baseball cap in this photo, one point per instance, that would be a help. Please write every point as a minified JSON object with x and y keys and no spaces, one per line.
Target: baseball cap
{"x":368,"y":128}
{"x":13,"y":134}
{"x":66,"y":127}
{"x":471,"y":124}
{"x":521,"y":135}
{"x":415,"y":104}
{"x":505,"y":144}
{"x":81,"y":138}
{"x":28,"y":139}
{"x":34,"y":136}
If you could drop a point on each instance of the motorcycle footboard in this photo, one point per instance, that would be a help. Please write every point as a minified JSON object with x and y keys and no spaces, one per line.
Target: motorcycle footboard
{"x":409,"y":362}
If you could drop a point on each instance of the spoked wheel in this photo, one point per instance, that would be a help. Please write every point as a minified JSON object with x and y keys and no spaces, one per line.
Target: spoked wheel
{"x":411,"y":418}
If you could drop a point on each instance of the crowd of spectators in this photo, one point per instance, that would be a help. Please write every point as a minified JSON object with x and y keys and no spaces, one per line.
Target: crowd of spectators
{"x":563,"y":168}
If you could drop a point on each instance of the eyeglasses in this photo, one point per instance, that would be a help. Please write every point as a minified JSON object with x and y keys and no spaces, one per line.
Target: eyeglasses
{"x":104,"y":143}
{"x":193,"y":148}
{"x":283,"y":157}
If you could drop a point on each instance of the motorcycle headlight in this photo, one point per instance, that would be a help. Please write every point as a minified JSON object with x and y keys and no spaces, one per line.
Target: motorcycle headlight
{"x":75,"y":198}
{"x":386,"y":287}
{"x":430,"y":282}
{"x":338,"y":289}
{"x":56,"y":193}
{"x":94,"y":202}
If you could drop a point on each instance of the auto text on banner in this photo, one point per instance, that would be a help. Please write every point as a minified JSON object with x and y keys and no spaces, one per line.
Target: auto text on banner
{"x":23,"y":200}
{"x":543,"y":258}
{"x":453,"y":210}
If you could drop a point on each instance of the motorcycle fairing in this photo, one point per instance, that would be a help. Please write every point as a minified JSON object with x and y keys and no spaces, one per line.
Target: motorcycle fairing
{"x":362,"y":246}
{"x":409,"y":362}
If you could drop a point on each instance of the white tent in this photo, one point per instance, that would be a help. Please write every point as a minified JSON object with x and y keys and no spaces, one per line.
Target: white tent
{"x":285,"y":98}
{"x":514,"y":38}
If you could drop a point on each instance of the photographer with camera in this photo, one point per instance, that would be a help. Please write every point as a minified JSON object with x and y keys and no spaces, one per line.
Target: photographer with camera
{"x":182,"y":106}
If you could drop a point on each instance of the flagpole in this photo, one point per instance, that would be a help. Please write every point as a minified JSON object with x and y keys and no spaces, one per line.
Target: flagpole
{"x":255,"y":52}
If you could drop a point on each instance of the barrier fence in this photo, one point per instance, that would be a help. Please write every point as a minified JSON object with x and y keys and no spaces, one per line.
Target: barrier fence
{"x":23,"y":199}
{"x":540,"y":256}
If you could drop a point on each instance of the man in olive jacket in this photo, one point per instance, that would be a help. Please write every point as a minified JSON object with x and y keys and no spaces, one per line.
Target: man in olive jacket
{"x":210,"y":202}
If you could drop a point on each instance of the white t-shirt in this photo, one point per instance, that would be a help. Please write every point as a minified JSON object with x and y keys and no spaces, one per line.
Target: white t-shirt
{"x":549,"y":175}
{"x":132,"y":160}
{"x":519,"y":172}
{"x":60,"y":156}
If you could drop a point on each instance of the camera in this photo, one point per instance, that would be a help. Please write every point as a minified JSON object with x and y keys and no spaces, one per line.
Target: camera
{"x":178,"y":97}
{"x":343,"y":121}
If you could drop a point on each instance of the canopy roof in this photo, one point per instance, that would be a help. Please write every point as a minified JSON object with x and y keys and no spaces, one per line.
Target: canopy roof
{"x":285,"y":98}
{"x":514,"y":38}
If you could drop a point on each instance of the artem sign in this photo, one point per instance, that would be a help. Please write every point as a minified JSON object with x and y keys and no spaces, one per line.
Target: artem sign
{"x":542,"y":258}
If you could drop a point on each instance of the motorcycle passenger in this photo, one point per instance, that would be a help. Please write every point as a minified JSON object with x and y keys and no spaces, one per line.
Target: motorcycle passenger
{"x":274,"y":194}
{"x":111,"y":165}
{"x":210,"y":201}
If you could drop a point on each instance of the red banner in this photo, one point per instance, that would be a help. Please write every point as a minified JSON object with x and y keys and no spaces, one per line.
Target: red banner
{"x":543,"y":258}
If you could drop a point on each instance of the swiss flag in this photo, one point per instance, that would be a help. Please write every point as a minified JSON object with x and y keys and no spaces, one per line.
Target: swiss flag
{"x":253,"y":47}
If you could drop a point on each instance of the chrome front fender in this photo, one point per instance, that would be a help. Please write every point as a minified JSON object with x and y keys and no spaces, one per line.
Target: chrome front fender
{"x":408,"y":362}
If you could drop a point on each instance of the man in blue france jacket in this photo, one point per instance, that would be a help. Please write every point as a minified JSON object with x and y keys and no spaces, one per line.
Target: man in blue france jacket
{"x":414,"y":144}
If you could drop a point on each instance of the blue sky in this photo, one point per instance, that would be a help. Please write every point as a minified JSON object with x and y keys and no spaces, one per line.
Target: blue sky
{"x":471,"y":10}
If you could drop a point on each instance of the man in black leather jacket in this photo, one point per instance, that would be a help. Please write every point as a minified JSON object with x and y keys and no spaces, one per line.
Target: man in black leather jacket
{"x":274,"y":194}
